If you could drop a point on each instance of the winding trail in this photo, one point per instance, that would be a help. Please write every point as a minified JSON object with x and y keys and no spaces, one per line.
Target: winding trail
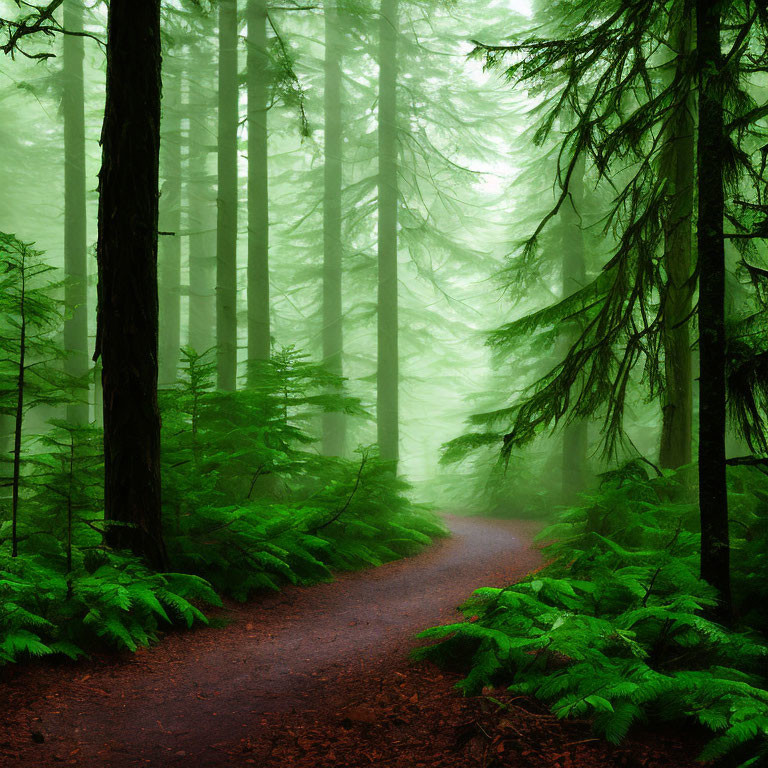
{"x":196,"y":696}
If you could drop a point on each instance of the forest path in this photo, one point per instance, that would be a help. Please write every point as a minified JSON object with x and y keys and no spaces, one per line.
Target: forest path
{"x":216,"y":697}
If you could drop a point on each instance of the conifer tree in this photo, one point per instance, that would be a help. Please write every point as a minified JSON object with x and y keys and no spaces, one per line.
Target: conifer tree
{"x":200,"y":194}
{"x":258,"y":73}
{"x":75,"y":235}
{"x":646,"y":123}
{"x":677,"y":166}
{"x":169,"y":266}
{"x":334,"y":424}
{"x":30,"y":354}
{"x":127,"y":331}
{"x":574,"y":277}
{"x":226,"y":227}
{"x":388,"y":377}
{"x":710,"y":149}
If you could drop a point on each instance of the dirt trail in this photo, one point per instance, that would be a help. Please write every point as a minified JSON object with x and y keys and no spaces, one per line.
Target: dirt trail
{"x":197,"y":695}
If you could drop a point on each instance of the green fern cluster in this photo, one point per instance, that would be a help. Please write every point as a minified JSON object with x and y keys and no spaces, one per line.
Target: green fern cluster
{"x":107,"y":600}
{"x":250,"y":505}
{"x":615,"y":628}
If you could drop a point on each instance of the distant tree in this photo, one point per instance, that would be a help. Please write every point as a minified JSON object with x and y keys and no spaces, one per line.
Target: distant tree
{"x":334,"y":424}
{"x":259,"y":88}
{"x":199,"y":182}
{"x":677,"y":167}
{"x":226,"y":228}
{"x":388,"y":376}
{"x":75,"y":231}
{"x":573,"y":278}
{"x":169,"y":261}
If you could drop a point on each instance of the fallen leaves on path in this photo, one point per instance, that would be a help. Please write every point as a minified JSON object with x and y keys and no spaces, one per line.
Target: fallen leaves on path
{"x":311,"y":678}
{"x":411,"y":717}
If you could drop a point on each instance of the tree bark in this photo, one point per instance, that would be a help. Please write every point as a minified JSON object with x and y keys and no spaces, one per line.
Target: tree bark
{"x":713,"y":499}
{"x":19,"y":414}
{"x":201,"y":207}
{"x":77,"y":363}
{"x":678,"y":168}
{"x":387,"y":408}
{"x":170,"y":224}
{"x":574,"y":274}
{"x":127,"y":328}
{"x":334,"y":424}
{"x":226,"y":227}
{"x":258,"y":185}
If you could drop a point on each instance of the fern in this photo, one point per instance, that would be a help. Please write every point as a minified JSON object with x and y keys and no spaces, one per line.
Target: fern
{"x":614,"y":628}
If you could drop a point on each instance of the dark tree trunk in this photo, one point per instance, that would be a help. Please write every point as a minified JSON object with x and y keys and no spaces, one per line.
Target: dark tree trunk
{"x":574,"y":274}
{"x":75,"y":237}
{"x":170,"y":225}
{"x":258,"y":184}
{"x":226,"y":228}
{"x":127,"y":254}
{"x":19,"y":416}
{"x":201,"y":206}
{"x":713,"y":499}
{"x":388,"y":379}
{"x":334,"y":424}
{"x":678,"y":167}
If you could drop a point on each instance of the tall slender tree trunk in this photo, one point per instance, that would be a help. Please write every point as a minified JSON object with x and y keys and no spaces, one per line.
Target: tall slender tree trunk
{"x":334,"y":424}
{"x":574,"y":275}
{"x":77,"y":363}
{"x":226,"y":227}
{"x":713,"y":498}
{"x":126,"y":338}
{"x":387,"y":380}
{"x":258,"y":185}
{"x":201,"y":208}
{"x":678,"y":168}
{"x":6,"y":445}
{"x":19,"y":415}
{"x":170,"y":224}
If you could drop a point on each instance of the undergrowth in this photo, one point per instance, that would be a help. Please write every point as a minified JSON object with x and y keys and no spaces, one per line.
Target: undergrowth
{"x":249,"y":504}
{"x":615,"y":628}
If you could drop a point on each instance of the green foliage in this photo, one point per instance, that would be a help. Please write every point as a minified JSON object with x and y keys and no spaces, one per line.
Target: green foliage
{"x":66,"y":592}
{"x":248,"y":503}
{"x":104,"y":599}
{"x":250,"y":506}
{"x":615,"y":628}
{"x":29,"y":320}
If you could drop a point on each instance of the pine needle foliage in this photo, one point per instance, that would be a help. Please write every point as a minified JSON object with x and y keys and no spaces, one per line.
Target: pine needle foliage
{"x":601,"y":68}
{"x":29,"y":376}
{"x":614,"y":628}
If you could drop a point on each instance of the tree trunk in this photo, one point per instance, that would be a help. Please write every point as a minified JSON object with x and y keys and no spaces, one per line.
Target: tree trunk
{"x":387,"y":372}
{"x":574,"y":276}
{"x":334,"y":424}
{"x":226,"y":226}
{"x":170,"y":225}
{"x":258,"y":185}
{"x":713,"y":499}
{"x":127,"y":329}
{"x":77,"y":363}
{"x":19,"y":415}
{"x":201,"y":207}
{"x":678,"y":168}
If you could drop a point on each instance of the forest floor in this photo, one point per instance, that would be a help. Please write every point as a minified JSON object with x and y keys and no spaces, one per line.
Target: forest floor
{"x":313,"y":677}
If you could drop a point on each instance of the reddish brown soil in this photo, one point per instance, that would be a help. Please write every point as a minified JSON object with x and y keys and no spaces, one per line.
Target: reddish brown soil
{"x":311,"y":678}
